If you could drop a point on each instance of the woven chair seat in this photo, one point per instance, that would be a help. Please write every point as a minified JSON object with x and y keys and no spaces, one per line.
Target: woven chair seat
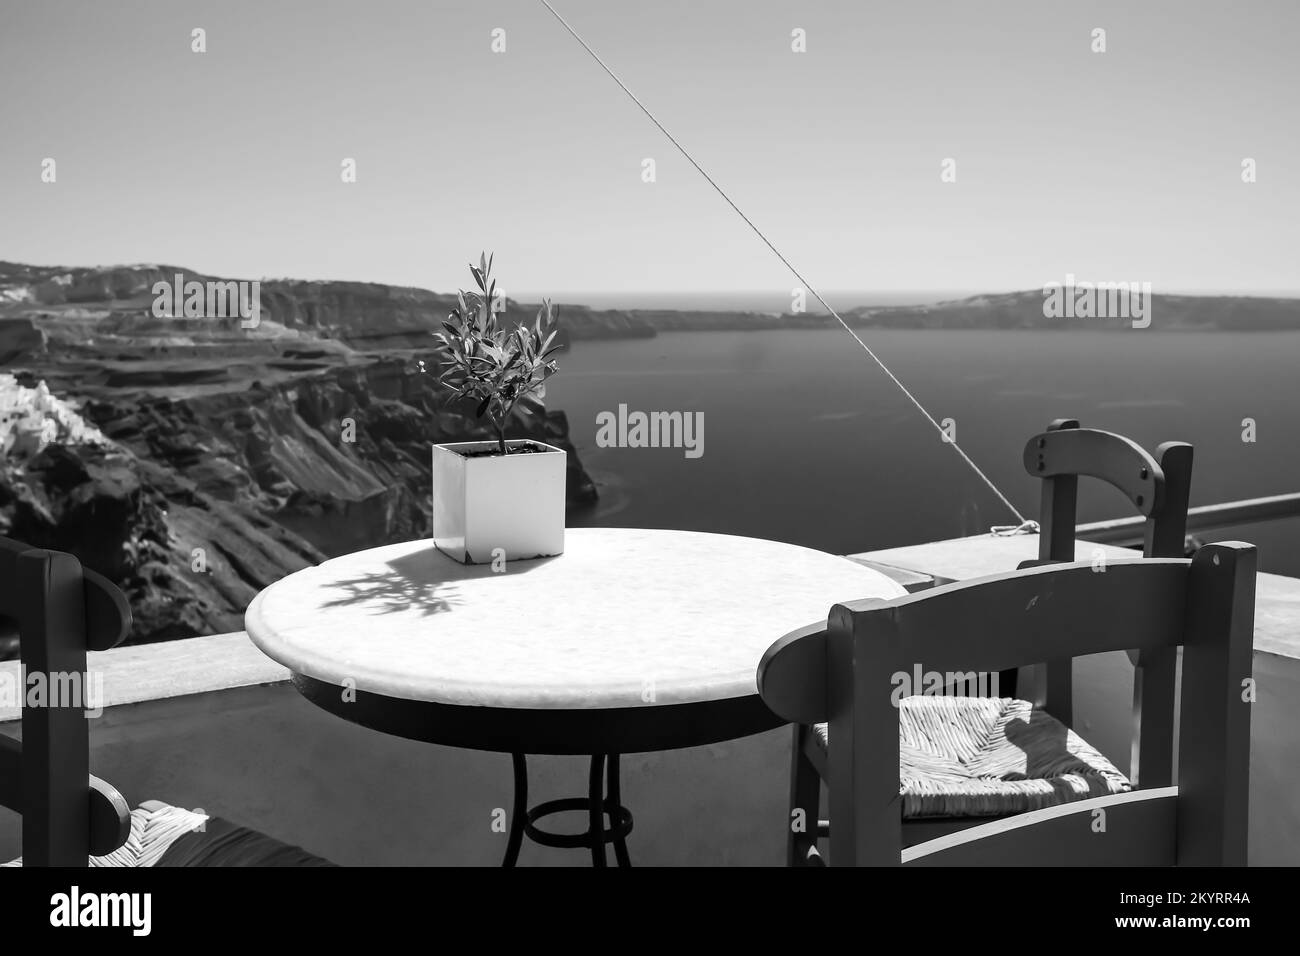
{"x":163,"y":835}
{"x":991,"y":756}
{"x":152,"y":832}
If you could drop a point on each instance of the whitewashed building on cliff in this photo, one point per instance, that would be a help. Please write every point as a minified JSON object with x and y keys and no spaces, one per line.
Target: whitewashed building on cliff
{"x":31,"y":418}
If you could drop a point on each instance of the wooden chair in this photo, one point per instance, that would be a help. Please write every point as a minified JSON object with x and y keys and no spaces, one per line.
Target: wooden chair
{"x":948,"y":729}
{"x":1158,"y":488}
{"x":844,"y":675}
{"x":59,"y":610}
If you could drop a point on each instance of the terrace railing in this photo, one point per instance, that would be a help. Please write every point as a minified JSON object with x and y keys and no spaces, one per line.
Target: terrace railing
{"x":1127,"y":532}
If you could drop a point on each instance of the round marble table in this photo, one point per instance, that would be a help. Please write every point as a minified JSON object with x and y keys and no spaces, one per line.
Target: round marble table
{"x":632,"y":640}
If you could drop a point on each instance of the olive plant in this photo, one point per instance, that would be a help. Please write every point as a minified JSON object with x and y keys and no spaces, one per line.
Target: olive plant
{"x":491,"y":363}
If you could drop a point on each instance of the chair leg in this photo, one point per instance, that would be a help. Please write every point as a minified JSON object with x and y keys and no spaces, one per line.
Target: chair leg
{"x":805,"y":803}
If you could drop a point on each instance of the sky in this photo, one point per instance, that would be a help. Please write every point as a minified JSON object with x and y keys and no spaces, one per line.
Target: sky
{"x":1117,"y":166}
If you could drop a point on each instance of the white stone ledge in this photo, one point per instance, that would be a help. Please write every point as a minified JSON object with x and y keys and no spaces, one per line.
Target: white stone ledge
{"x":143,"y":672}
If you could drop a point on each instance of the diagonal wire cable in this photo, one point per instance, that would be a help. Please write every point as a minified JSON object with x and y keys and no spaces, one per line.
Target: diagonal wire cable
{"x":795,"y":272}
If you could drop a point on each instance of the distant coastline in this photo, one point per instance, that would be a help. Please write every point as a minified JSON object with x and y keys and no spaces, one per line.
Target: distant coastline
{"x":1011,"y":310}
{"x":388,"y":316}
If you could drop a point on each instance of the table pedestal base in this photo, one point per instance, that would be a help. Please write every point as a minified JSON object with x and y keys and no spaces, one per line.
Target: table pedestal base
{"x":602,"y":799}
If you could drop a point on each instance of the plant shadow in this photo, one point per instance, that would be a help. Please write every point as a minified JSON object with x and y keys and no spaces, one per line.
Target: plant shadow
{"x":425,"y":581}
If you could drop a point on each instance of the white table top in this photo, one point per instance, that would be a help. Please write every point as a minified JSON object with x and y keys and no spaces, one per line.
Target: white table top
{"x":624,"y":618}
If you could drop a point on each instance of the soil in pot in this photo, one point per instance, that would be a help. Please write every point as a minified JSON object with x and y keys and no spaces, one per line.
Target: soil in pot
{"x":496,"y":453}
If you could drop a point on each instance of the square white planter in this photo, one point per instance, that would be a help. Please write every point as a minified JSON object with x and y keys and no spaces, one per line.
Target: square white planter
{"x":514,"y":503}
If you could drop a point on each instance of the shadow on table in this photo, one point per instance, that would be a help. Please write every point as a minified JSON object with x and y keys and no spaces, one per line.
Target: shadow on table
{"x":426,"y":581}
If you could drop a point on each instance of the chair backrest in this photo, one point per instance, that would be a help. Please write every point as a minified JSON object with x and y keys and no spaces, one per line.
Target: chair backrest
{"x":845,"y":675}
{"x":60,"y":610}
{"x":1159,"y":488}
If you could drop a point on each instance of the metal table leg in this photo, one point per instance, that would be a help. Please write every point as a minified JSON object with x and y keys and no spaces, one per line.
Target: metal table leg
{"x":614,"y":805}
{"x":596,"y":809}
{"x":519,"y":814}
{"x":602,"y":800}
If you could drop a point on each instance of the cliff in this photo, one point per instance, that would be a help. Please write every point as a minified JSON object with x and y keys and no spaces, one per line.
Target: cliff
{"x":365,"y":316}
{"x":193,"y":461}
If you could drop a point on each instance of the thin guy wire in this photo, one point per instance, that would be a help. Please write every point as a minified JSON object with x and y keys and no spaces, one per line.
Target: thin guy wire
{"x":795,"y":272}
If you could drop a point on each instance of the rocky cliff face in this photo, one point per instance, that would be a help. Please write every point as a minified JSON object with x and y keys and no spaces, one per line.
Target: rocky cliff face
{"x":364,"y":315}
{"x":194,"y":462}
